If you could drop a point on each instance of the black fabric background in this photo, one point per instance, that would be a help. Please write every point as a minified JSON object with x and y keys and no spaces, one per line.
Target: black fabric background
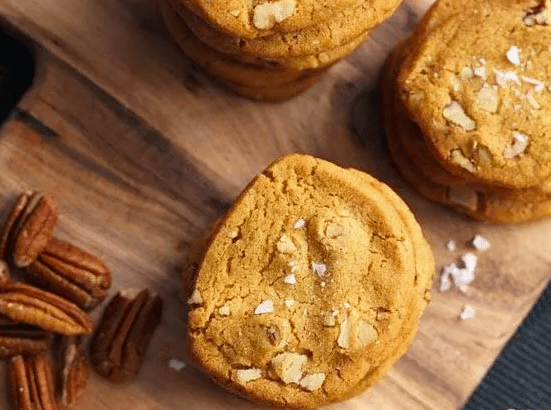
{"x":520,"y":378}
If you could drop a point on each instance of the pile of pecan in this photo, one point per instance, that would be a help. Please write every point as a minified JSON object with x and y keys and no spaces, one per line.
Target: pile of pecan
{"x":42,"y":322}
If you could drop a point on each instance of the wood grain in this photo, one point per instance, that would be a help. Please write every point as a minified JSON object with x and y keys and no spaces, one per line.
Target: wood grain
{"x":143,"y":152}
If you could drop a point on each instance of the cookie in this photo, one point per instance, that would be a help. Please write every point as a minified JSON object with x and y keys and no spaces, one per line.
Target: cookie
{"x":288,"y":308}
{"x":344,"y":27}
{"x":315,"y":61}
{"x":247,"y":19}
{"x":499,"y":205}
{"x":276,"y":93}
{"x":476,"y":85}
{"x":221,"y":66}
{"x":178,"y":28}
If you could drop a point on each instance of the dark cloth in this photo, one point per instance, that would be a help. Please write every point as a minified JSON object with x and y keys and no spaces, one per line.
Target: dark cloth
{"x":520,"y":378}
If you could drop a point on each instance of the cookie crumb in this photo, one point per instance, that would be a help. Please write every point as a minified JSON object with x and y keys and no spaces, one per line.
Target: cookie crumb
{"x":195,"y":298}
{"x":248,"y":375}
{"x":312,"y":381}
{"x":480,"y":243}
{"x":290,"y":279}
{"x":224,"y":310}
{"x":467,"y":313}
{"x":300,"y":223}
{"x":176,"y":364}
{"x":234,"y":233}
{"x":513,"y":55}
{"x":319,"y":269}
{"x":519,"y":145}
{"x":289,"y":302}
{"x":266,"y":306}
{"x":451,"y":245}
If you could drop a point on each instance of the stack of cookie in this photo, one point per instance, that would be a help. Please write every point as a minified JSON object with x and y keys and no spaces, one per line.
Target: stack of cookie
{"x":467,"y":108}
{"x":271,"y":50}
{"x":309,"y":288}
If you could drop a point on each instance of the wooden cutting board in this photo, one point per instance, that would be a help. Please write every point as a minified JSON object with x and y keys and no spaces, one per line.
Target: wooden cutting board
{"x":143,"y":152}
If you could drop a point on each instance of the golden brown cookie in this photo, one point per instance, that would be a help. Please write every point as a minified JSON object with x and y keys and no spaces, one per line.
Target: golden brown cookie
{"x":476,"y":84}
{"x":484,"y":202}
{"x":253,"y":19}
{"x":221,"y":66}
{"x":276,"y":93}
{"x":344,"y":27}
{"x":315,"y":61}
{"x":311,"y":286}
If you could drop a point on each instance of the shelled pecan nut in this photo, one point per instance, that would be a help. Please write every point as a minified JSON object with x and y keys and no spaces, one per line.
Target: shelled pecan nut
{"x":124,"y":333}
{"x":28,"y":228}
{"x":71,"y":273}
{"x":27,"y":304}
{"x":31,"y":382}
{"x":74,"y":371}
{"x":23,"y":339}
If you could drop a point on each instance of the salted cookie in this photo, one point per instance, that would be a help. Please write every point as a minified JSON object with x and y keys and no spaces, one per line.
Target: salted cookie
{"x":221,"y":66}
{"x":344,"y":27}
{"x":500,"y":205}
{"x":476,"y":84}
{"x":310,"y":287}
{"x":248,"y":19}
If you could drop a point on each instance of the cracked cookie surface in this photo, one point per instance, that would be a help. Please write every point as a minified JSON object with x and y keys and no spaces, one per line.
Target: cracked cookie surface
{"x":417,"y":165}
{"x":477,"y":84}
{"x":311,"y":286}
{"x":252,"y":19}
{"x":344,"y":27}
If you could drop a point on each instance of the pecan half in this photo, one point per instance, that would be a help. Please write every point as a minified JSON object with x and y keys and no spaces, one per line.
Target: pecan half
{"x":71,"y":273}
{"x":124,"y":333}
{"x":27,"y":304}
{"x":23,"y":339}
{"x":28,"y":228}
{"x":31,"y":382}
{"x":74,"y":371}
